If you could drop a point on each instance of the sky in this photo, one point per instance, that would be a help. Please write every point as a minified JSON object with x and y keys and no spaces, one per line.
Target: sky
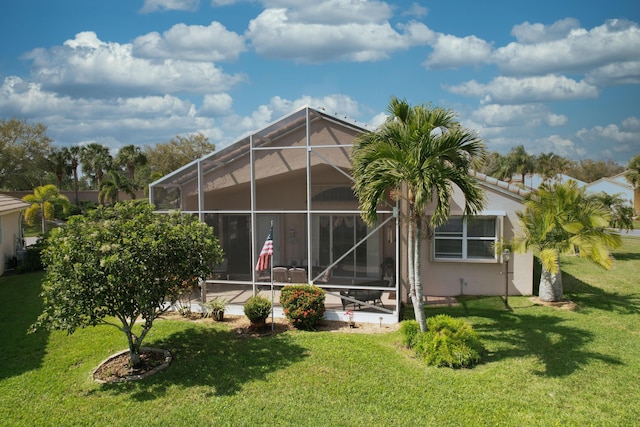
{"x":554,"y":76}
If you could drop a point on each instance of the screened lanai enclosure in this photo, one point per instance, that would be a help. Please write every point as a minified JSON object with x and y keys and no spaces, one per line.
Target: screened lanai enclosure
{"x":294,"y":176}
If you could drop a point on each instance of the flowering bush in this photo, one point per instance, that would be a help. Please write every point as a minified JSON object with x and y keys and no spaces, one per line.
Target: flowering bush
{"x":303,"y":305}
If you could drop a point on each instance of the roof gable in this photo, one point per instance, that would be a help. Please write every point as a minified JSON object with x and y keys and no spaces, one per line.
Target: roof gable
{"x":10,"y":204}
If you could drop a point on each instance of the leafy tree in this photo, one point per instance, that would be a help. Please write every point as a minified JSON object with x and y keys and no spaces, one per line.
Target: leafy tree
{"x":588,"y":170}
{"x":560,"y":219}
{"x":120,"y":264}
{"x":130,"y":157}
{"x":169,"y":156}
{"x":24,"y":149}
{"x":43,"y":201}
{"x":418,"y":153}
{"x":95,"y":160}
{"x":111,"y":186}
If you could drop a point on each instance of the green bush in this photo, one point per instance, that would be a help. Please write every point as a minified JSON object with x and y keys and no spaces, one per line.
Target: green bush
{"x":447,"y":342}
{"x":303,"y":305}
{"x":450,"y":342}
{"x":257,"y":309}
{"x":410,"y":330}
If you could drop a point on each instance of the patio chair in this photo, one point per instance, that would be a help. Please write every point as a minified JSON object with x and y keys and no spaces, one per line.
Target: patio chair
{"x":280,"y":274}
{"x":298,"y":275}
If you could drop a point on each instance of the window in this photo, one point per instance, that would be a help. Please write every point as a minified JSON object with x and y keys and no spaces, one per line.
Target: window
{"x":472,"y":238}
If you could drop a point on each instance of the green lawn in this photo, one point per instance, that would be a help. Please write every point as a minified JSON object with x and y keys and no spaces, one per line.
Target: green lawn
{"x":545,"y":367}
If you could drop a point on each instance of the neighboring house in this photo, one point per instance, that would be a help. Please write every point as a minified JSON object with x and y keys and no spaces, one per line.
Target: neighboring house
{"x":295,"y":174}
{"x":616,"y":184}
{"x":11,"y":239}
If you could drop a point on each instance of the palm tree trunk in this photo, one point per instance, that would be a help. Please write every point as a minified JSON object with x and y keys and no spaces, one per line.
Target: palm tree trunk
{"x":550,"y":285}
{"x":415,"y":281}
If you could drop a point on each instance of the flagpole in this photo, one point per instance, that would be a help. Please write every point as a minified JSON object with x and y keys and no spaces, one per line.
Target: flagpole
{"x":273,"y":327}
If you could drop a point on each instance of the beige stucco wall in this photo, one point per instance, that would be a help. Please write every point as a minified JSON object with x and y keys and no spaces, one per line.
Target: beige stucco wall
{"x":10,"y":234}
{"x":448,"y":278}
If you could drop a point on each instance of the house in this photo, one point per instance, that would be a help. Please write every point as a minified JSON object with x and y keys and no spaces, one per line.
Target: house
{"x":294,"y":176}
{"x":616,"y":184}
{"x":11,"y":241}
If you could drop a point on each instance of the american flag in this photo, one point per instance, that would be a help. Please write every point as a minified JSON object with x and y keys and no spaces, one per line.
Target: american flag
{"x":264,"y":260}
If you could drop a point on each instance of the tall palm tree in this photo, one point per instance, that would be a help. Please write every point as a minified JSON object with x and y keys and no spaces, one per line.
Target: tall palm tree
{"x":418,"y":154}
{"x":561,"y":219}
{"x":59,"y":160}
{"x":130,"y":157}
{"x":95,"y":160}
{"x":43,"y":201}
{"x":114,"y":183}
{"x":74,"y":155}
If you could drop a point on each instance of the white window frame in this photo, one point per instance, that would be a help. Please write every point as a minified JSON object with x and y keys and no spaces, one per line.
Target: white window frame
{"x":498,"y":216}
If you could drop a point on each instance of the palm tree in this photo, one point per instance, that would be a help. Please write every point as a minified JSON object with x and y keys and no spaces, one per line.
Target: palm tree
{"x":95,"y":161}
{"x":517,"y":161}
{"x":43,"y":201}
{"x":633,"y":172}
{"x":130,"y":157}
{"x":418,"y":154}
{"x":550,"y":165}
{"x":60,"y":159}
{"x":74,"y":155}
{"x":560,"y":219}
{"x":633,"y":176}
{"x":620,"y":209}
{"x":112,"y":185}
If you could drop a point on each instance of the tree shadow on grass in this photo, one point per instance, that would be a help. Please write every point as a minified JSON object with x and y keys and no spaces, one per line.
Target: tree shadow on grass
{"x":587,"y":296}
{"x":217,"y":359}
{"x":559,"y":347}
{"x":20,"y":306}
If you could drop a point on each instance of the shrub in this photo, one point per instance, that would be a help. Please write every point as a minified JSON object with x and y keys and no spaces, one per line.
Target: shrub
{"x":410,"y":330}
{"x":257,"y":309}
{"x":449,"y":342}
{"x":303,"y":305}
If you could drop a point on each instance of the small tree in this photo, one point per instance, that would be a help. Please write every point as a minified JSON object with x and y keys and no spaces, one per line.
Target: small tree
{"x":43,"y":201}
{"x":558,"y":220}
{"x":124,"y":263}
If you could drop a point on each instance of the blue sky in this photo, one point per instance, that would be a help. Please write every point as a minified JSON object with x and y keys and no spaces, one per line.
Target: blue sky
{"x":559,"y":76}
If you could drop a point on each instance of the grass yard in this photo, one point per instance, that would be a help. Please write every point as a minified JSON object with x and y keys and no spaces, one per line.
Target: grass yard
{"x":545,"y":366}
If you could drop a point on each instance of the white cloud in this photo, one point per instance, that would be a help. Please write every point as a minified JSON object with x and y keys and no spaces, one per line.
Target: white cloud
{"x":615,"y":74}
{"x":452,"y":52}
{"x":216,"y":105}
{"x":416,"y":10}
{"x":192,"y":43}
{"x":579,"y":51}
{"x":156,"y":5}
{"x":333,"y":12}
{"x":274,"y":34}
{"x":527,"y":33}
{"x":89,"y":67}
{"x":527,"y":115}
{"x":509,"y":90}
{"x":562,"y":146}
